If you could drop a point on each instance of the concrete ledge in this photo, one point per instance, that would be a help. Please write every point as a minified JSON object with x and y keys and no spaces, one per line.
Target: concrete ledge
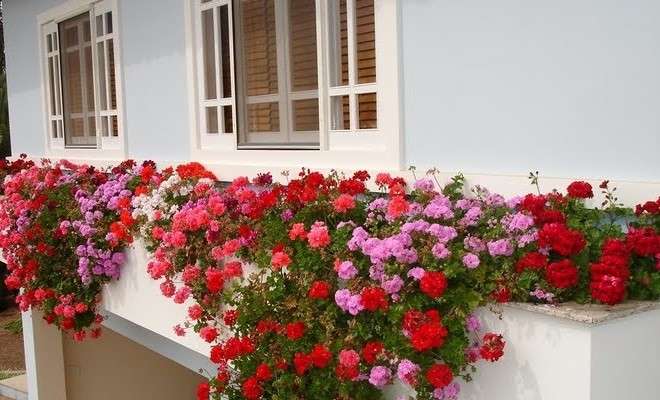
{"x":592,"y":314}
{"x":14,"y":388}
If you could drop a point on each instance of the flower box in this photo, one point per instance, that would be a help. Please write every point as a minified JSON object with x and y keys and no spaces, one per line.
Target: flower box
{"x":571,"y":352}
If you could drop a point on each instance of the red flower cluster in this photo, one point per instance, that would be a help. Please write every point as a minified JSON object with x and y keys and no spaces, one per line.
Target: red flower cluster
{"x":194,"y":170}
{"x":425,"y":330}
{"x":561,"y":239}
{"x":650,"y":207}
{"x":580,"y":190}
{"x":439,"y":375}
{"x":433,"y":284}
{"x":610,"y":274}
{"x":319,"y":290}
{"x":492,"y":348}
{"x":532,"y":261}
{"x":374,"y":298}
{"x":562,"y":274}
{"x":319,"y":357}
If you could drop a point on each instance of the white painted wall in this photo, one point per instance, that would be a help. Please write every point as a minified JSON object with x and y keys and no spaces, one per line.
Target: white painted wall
{"x":567,"y":87}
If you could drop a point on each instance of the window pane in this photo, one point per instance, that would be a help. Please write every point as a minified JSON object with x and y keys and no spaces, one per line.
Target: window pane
{"x":225,"y":51}
{"x":114,"y":128}
{"x":51,"y":77}
{"x":259,"y":46}
{"x":367,"y":111}
{"x":77,"y":85}
{"x":100,"y":52}
{"x":49,"y":42}
{"x":211,"y":119}
{"x":365,"y":32}
{"x":229,"y":119}
{"x":104,"y":127}
{"x":338,"y":43}
{"x":108,"y":22}
{"x":302,"y":23}
{"x":54,"y":129}
{"x":56,"y":77}
{"x":99,"y":25}
{"x":208,"y":53}
{"x":111,"y":73}
{"x":340,"y":113}
{"x":89,"y":76}
{"x":306,"y":115}
{"x":263,"y":117}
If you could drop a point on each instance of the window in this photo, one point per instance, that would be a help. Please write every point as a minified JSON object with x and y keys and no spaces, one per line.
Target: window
{"x":81,"y":76}
{"x":296,"y":74}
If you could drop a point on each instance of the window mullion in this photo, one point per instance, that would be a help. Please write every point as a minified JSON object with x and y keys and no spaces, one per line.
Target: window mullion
{"x":95,"y":76}
{"x":352,"y":68}
{"x":283,"y":68}
{"x":322,"y":47}
{"x":218,"y":66}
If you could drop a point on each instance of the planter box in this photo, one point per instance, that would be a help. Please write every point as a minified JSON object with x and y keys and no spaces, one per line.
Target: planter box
{"x":570,"y":352}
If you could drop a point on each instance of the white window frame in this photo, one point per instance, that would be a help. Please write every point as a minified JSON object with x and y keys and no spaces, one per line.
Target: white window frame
{"x":380,"y":148}
{"x":107,"y":147}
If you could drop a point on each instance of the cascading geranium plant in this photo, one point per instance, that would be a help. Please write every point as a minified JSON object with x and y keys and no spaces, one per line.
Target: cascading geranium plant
{"x":584,"y":254}
{"x":63,"y":229}
{"x":348,"y":290}
{"x":318,"y":288}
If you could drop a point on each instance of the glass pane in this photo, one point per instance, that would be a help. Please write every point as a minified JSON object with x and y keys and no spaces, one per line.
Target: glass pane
{"x":302,"y":23}
{"x":208,"y":54}
{"x":77,"y":82}
{"x":365,"y":31}
{"x":367,"y":111}
{"x":99,"y":25}
{"x":54,"y":129}
{"x":338,"y":43}
{"x":51,"y":78}
{"x":114,"y":126}
{"x":306,"y":115}
{"x":225,"y":51}
{"x":86,"y":31}
{"x":111,"y":74}
{"x":264,"y":117}
{"x":259,"y":46}
{"x":55,"y":42}
{"x":56,"y":77}
{"x":92,"y":124}
{"x":340,"y":109}
{"x":229,"y":119}
{"x":49,"y":42}
{"x":108,"y":22}
{"x":100,"y":52}
{"x":60,"y":129}
{"x":211,"y":119}
{"x":104,"y":127}
{"x":89,"y":79}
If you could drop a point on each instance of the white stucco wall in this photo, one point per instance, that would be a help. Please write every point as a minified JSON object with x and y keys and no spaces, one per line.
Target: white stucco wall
{"x":567,"y":87}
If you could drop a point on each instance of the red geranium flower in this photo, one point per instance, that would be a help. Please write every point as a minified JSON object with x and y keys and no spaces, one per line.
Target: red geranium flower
{"x":580,"y":190}
{"x":295,"y":330}
{"x":562,"y":274}
{"x":319,"y":290}
{"x":320,"y":356}
{"x":493,"y":347}
{"x":433,"y":284}
{"x":371,"y":351}
{"x":374,"y":298}
{"x":439,"y":376}
{"x":561,"y":239}
{"x":252,"y":389}
{"x":533,"y":260}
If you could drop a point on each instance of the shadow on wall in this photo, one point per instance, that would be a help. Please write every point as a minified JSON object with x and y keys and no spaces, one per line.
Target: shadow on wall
{"x":142,"y":373}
